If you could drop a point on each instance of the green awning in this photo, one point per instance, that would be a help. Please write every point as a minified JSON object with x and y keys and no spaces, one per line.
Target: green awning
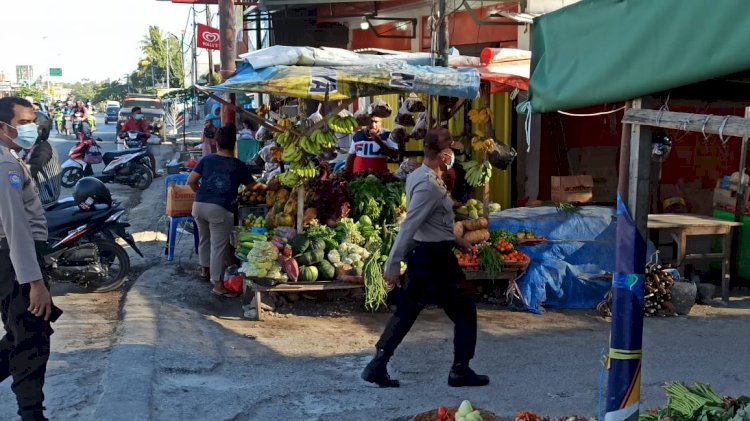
{"x":602,"y":51}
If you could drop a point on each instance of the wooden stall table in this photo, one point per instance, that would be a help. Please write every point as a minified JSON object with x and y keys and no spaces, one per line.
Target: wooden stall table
{"x":510,"y":273}
{"x":682,"y":226}
{"x":257,"y":289}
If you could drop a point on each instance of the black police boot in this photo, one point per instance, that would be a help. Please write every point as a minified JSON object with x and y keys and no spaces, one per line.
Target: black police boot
{"x":377,"y":372}
{"x":461,"y":375}
{"x":33,"y":416}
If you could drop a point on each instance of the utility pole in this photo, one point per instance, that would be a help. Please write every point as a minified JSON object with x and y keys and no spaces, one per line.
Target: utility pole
{"x":195,"y":61}
{"x":227,"y":51}
{"x":210,"y":52}
{"x":167,"y":42}
{"x":441,"y":55}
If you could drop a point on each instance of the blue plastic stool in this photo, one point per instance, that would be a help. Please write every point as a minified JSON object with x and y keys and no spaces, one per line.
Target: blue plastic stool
{"x":175,"y":221}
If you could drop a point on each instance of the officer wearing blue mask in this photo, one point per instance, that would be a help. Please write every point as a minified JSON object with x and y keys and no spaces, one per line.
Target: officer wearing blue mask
{"x":25,"y":302}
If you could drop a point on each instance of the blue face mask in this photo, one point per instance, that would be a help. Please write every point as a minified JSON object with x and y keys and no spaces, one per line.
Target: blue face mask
{"x":139,"y":116}
{"x":27,"y":135}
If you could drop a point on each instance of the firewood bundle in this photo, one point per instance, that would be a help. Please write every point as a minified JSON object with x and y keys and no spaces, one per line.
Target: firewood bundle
{"x":658,"y":286}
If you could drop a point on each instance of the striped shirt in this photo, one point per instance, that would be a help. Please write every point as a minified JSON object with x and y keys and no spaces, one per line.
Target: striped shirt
{"x":45,"y":170}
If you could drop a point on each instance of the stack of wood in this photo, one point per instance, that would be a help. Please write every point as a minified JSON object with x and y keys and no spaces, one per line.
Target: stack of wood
{"x":658,"y":297}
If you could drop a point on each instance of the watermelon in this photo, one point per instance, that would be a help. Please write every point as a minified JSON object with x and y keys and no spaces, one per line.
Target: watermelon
{"x":318,"y":244}
{"x":299,"y":244}
{"x":318,"y":255}
{"x":308,"y":274}
{"x":306,"y":259}
{"x":326,"y":270}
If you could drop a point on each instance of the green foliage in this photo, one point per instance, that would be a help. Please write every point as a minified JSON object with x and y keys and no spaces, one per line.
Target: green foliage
{"x":31,"y":91}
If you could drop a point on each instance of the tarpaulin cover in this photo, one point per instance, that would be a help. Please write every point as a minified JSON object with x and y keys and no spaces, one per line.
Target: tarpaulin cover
{"x":563,"y":274}
{"x":354,"y":81}
{"x":602,"y":51}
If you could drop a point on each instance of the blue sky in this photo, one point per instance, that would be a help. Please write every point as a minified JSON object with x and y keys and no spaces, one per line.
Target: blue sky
{"x":92,"y":39}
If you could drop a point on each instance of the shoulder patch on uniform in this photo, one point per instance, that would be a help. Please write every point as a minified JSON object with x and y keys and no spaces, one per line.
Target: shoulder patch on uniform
{"x":14,"y":178}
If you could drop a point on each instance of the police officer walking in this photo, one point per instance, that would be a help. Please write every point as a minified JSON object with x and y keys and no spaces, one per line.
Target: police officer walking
{"x":433,"y":275}
{"x":25,"y":301}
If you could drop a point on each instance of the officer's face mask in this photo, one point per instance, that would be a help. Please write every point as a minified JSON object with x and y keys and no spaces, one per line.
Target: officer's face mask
{"x":27,"y":134}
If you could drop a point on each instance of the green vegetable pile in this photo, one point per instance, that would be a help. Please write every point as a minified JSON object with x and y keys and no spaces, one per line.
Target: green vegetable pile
{"x":379,"y":201}
{"x":490,"y":260}
{"x":376,"y":292}
{"x":699,"y":403}
{"x":347,"y":231}
{"x":501,"y":234}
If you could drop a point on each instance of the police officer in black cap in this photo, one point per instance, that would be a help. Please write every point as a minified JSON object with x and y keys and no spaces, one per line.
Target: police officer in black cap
{"x":25,"y":302}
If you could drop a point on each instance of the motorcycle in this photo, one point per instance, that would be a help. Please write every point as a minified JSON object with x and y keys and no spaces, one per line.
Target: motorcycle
{"x":82,"y":246}
{"x":130,"y":167}
{"x":77,"y":120}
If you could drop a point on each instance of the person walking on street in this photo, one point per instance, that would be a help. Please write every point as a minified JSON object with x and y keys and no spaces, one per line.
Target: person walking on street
{"x":220,"y":175}
{"x":208,"y":141}
{"x":44,"y":163}
{"x":433,"y":275}
{"x":25,"y":301}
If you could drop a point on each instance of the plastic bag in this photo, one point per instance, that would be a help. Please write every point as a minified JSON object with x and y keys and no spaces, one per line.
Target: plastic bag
{"x":233,"y":280}
{"x":380,"y":109}
{"x":93,"y":155}
{"x":398,"y":135}
{"x":501,"y":155}
{"x":414,"y":105}
{"x":363,"y":119}
{"x":420,"y":129}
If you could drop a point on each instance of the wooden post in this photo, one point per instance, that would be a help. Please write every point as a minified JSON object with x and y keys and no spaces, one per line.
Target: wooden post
{"x":227,"y":52}
{"x":739,"y":212}
{"x":640,"y":158}
{"x":488,"y":133}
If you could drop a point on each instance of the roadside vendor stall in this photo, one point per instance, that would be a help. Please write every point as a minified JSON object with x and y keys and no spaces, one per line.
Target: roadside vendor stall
{"x":317,"y":230}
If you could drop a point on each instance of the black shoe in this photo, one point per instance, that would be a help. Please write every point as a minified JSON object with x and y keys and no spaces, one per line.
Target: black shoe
{"x":462,"y":375}
{"x":377,"y":372}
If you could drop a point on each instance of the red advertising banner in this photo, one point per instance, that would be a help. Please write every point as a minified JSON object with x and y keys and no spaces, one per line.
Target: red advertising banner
{"x":208,"y":37}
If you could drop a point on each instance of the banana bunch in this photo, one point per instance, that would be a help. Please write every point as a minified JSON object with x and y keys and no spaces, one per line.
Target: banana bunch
{"x":309,"y":145}
{"x":284,"y":139}
{"x":277,"y":153}
{"x":345,"y":125}
{"x":478,"y":174}
{"x":480,"y":116}
{"x":292,"y":153}
{"x":289,"y":179}
{"x":482,"y":145}
{"x":325,"y":138}
{"x":285,"y":123}
{"x":303,"y":170}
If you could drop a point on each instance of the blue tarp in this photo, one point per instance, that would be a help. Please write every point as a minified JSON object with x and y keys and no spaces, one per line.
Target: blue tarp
{"x":563,"y":271}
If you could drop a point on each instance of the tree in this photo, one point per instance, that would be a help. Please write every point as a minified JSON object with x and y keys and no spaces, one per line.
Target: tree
{"x":32,"y":91}
{"x":152,"y":69}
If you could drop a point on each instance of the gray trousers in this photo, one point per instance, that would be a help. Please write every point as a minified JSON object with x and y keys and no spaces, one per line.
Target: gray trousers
{"x":214,"y":225}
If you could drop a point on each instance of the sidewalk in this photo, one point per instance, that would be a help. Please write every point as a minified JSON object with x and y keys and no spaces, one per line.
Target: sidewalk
{"x":182,"y":353}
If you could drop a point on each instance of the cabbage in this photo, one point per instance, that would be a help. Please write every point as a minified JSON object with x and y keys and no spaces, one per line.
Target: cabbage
{"x":334,"y":256}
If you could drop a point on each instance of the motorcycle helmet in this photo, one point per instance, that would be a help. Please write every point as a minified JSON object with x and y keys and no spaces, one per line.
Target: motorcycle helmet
{"x":44,"y":125}
{"x":90,"y":191}
{"x":661,"y":146}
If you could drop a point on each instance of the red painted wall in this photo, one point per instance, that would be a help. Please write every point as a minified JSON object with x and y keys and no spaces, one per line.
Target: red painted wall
{"x":692,"y":159}
{"x":368,"y":39}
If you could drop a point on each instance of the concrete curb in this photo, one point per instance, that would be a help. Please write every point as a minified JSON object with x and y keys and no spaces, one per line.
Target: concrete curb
{"x":127,"y":384}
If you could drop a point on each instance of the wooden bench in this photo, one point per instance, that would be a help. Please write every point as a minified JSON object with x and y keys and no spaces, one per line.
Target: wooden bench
{"x":296,"y":287}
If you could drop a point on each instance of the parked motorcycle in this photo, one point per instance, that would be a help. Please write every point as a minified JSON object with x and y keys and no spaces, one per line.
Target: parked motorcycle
{"x":130,"y":167}
{"x":82,"y":246}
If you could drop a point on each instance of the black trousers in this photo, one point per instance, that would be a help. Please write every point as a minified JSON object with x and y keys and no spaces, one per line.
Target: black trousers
{"x":434,"y":277}
{"x":24,"y":350}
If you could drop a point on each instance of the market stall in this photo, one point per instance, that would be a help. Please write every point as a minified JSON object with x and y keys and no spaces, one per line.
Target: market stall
{"x":315,"y":230}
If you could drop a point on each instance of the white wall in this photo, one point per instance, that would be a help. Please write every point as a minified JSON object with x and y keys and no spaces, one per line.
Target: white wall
{"x":546,"y":6}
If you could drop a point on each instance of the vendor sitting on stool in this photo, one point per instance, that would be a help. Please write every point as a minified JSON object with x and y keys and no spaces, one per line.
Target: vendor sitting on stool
{"x":371,"y":148}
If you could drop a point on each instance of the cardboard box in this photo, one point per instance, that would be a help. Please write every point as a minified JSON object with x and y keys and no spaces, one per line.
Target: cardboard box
{"x":573,"y":189}
{"x":605,"y":184}
{"x":180,"y":200}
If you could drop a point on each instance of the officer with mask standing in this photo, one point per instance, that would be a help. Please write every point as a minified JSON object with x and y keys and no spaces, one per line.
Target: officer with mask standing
{"x":25,"y":301}
{"x":44,"y":163}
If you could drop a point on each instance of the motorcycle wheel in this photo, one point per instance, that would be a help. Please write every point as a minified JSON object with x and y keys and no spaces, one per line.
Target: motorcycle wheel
{"x":117,"y":261}
{"x":70,"y":176}
{"x":145,"y":177}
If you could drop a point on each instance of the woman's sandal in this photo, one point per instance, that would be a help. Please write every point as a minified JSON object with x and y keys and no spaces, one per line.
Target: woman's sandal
{"x":225,"y":294}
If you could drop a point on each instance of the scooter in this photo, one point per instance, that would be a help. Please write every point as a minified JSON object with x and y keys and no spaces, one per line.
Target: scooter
{"x":82,"y":247}
{"x":130,"y":167}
